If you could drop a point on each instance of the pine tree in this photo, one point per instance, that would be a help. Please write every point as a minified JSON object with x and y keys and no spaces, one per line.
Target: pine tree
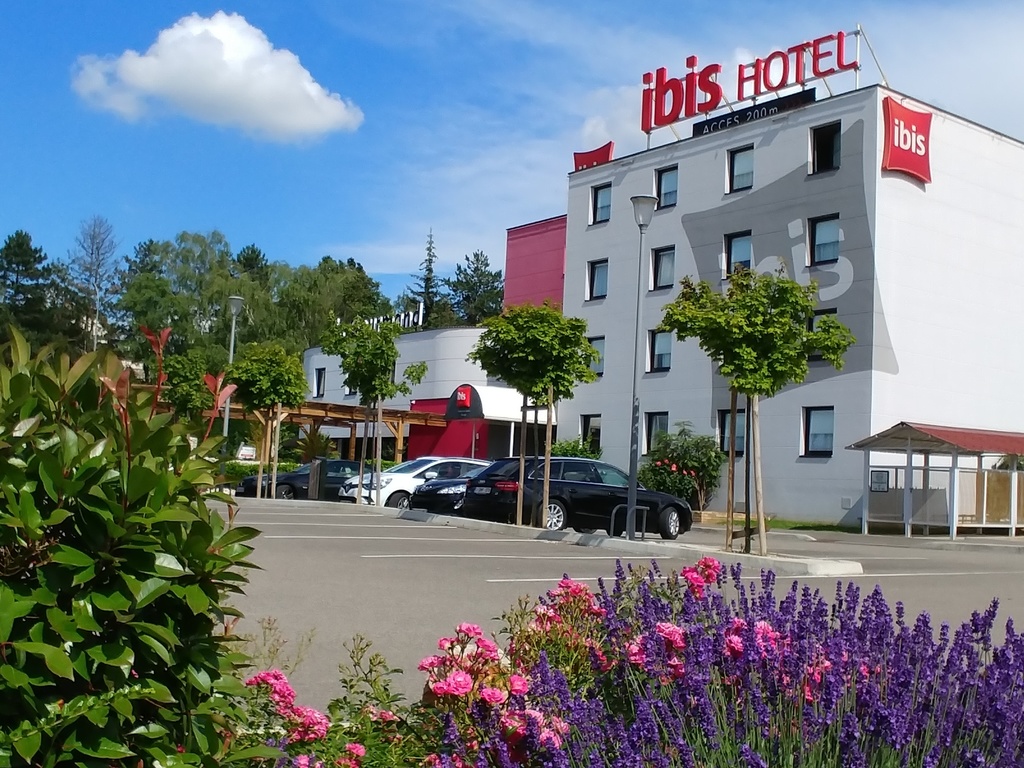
{"x":477,"y":291}
{"x":428,"y":290}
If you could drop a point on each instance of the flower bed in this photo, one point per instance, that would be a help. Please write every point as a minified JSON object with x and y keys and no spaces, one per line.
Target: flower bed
{"x":697,"y":668}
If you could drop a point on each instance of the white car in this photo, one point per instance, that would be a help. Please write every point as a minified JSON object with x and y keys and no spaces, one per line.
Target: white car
{"x":398,"y":482}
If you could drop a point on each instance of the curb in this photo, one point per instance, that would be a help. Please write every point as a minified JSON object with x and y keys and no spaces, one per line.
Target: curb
{"x":781,"y":565}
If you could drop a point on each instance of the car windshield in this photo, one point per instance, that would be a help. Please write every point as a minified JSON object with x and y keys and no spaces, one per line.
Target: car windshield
{"x":409,"y":467}
{"x":473,"y":472}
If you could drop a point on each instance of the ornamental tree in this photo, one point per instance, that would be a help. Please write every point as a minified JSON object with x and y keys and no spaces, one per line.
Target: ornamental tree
{"x":369,"y":359}
{"x":761,"y":333}
{"x":267,"y":377}
{"x":544,"y":356}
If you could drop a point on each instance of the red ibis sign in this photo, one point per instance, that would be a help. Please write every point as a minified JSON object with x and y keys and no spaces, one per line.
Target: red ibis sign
{"x":907,"y":140}
{"x":667,"y":99}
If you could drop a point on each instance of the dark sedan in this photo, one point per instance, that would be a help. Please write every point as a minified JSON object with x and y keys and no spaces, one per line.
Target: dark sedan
{"x":295,"y":484}
{"x":443,"y":497}
{"x":583,"y":495}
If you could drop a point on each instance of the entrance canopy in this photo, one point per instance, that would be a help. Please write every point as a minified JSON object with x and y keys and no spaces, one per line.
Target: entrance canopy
{"x":929,"y":438}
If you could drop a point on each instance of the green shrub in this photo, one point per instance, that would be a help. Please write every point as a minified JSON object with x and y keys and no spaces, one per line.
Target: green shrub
{"x":236,"y":470}
{"x":576,"y":448}
{"x":114,"y":572}
{"x":684,"y":464}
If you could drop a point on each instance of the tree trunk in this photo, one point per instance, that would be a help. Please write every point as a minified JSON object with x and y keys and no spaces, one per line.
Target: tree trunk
{"x":522,"y":467}
{"x":376,"y":447}
{"x":755,"y":431}
{"x":276,"y":436}
{"x":747,"y":530}
{"x":262,"y":453}
{"x":730,"y":496}
{"x":547,"y":459}
{"x":535,"y":518}
{"x":362,"y":455}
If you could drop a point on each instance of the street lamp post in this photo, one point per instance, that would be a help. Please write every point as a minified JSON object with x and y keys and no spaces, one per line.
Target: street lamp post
{"x":235,"y":303}
{"x":643,"y":210}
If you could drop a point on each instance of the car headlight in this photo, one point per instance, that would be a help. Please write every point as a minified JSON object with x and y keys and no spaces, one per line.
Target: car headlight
{"x":383,"y":481}
{"x":453,"y":489}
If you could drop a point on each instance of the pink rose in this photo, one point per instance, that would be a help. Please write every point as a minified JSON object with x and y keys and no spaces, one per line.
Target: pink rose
{"x":459,"y":683}
{"x":673,"y":467}
{"x":518,"y":685}
{"x":431,"y":662}
{"x":635,"y":652}
{"x":472,"y":630}
{"x":734,"y":646}
{"x":445,"y":643}
{"x":355,"y":749}
{"x":493,"y":696}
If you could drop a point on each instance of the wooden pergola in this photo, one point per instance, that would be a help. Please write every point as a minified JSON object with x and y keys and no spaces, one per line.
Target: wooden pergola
{"x":314,"y":415}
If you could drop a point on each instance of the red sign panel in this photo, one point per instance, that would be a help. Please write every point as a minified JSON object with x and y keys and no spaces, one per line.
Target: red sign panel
{"x":667,"y":100}
{"x":907,"y":140}
{"x":464,"y":397}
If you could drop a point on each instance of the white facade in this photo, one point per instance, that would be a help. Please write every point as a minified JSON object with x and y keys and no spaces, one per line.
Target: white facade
{"x":927,"y":279}
{"x":445,"y":352}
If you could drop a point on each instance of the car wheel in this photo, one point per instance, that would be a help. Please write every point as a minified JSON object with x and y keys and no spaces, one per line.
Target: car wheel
{"x":284,"y":492}
{"x":581,"y":529}
{"x":557,"y":515}
{"x":668,"y":523}
{"x":398,"y":500}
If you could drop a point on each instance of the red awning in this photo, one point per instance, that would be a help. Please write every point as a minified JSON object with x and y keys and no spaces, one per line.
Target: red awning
{"x":930,"y":438}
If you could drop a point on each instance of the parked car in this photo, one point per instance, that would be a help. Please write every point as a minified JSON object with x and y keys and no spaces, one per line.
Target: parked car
{"x":295,"y":484}
{"x":443,"y":497}
{"x":583,"y":495}
{"x":398,"y":483}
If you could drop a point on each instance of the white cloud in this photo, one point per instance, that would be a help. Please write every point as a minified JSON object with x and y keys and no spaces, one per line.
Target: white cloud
{"x":219,"y":70}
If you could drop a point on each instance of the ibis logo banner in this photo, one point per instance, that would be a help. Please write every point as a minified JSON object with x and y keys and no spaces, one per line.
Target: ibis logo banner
{"x":907,"y":140}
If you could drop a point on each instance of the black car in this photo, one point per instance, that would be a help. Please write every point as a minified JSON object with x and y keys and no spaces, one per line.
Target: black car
{"x":443,"y":497}
{"x":295,"y":484}
{"x":583,"y":495}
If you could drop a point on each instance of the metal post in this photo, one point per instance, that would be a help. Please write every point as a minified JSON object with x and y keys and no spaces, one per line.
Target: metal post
{"x":954,"y":505}
{"x":983,"y":490}
{"x":231,"y":359}
{"x":1013,"y":496}
{"x":908,"y":491}
{"x":634,"y":427}
{"x":865,"y":499}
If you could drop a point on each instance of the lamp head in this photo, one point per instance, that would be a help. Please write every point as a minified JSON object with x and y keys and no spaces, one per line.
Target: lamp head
{"x":643,"y":209}
{"x":235,"y":302}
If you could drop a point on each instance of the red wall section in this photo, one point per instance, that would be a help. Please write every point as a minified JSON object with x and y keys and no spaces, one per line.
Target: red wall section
{"x":535,"y":262}
{"x":453,"y":440}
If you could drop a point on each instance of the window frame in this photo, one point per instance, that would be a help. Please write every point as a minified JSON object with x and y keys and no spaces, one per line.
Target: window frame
{"x":808,"y":411}
{"x":659,"y":176}
{"x":723,"y":425}
{"x":657,"y":283}
{"x":733,"y":154}
{"x":595,"y":209}
{"x":591,"y":265}
{"x":810,"y":327}
{"x":586,"y":427}
{"x":837,"y":147}
{"x":651,"y":367}
{"x":598,"y":366}
{"x":731,"y":238}
{"x":649,"y":434}
{"x":812,"y":239}
{"x":319,"y":382}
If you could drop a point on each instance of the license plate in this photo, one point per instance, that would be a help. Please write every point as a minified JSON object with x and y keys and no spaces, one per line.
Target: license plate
{"x":482,"y":490}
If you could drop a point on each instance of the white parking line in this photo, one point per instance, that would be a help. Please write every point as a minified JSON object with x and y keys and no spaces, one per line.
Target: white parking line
{"x":883,"y":557}
{"x":903,"y":575}
{"x":394,"y":538}
{"x":249,"y":512}
{"x":496,"y":557}
{"x":406,"y":527}
{"x":553,"y":578}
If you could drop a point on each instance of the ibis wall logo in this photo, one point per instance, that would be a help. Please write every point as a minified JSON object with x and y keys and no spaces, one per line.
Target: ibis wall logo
{"x":907,"y":140}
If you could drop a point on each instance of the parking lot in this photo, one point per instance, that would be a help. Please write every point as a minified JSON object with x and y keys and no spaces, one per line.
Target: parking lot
{"x":342,"y":570}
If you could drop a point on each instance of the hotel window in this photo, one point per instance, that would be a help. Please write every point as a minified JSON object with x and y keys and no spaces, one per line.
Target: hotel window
{"x":590,"y":430}
{"x":812,"y":325}
{"x":597,"y":279}
{"x":663,"y":268}
{"x":657,"y":424}
{"x":349,"y":392}
{"x":825,"y":145}
{"x":660,"y":351}
{"x":819,"y":429}
{"x":741,"y":169}
{"x":321,"y":382}
{"x":738,"y":251}
{"x":668,"y":185}
{"x":602,"y":203}
{"x":597,"y":342}
{"x":723,"y":431}
{"x":824,"y":239}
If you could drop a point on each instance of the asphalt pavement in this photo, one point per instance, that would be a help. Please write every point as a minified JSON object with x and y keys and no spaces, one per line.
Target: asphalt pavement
{"x":342,"y":570}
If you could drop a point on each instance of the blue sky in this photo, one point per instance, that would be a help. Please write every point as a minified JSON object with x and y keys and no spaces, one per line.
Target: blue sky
{"x":316,"y":127}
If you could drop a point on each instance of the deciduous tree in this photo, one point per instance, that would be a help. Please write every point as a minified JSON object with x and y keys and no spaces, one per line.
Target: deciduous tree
{"x":760,"y":333}
{"x":544,"y":356}
{"x":92,"y":264}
